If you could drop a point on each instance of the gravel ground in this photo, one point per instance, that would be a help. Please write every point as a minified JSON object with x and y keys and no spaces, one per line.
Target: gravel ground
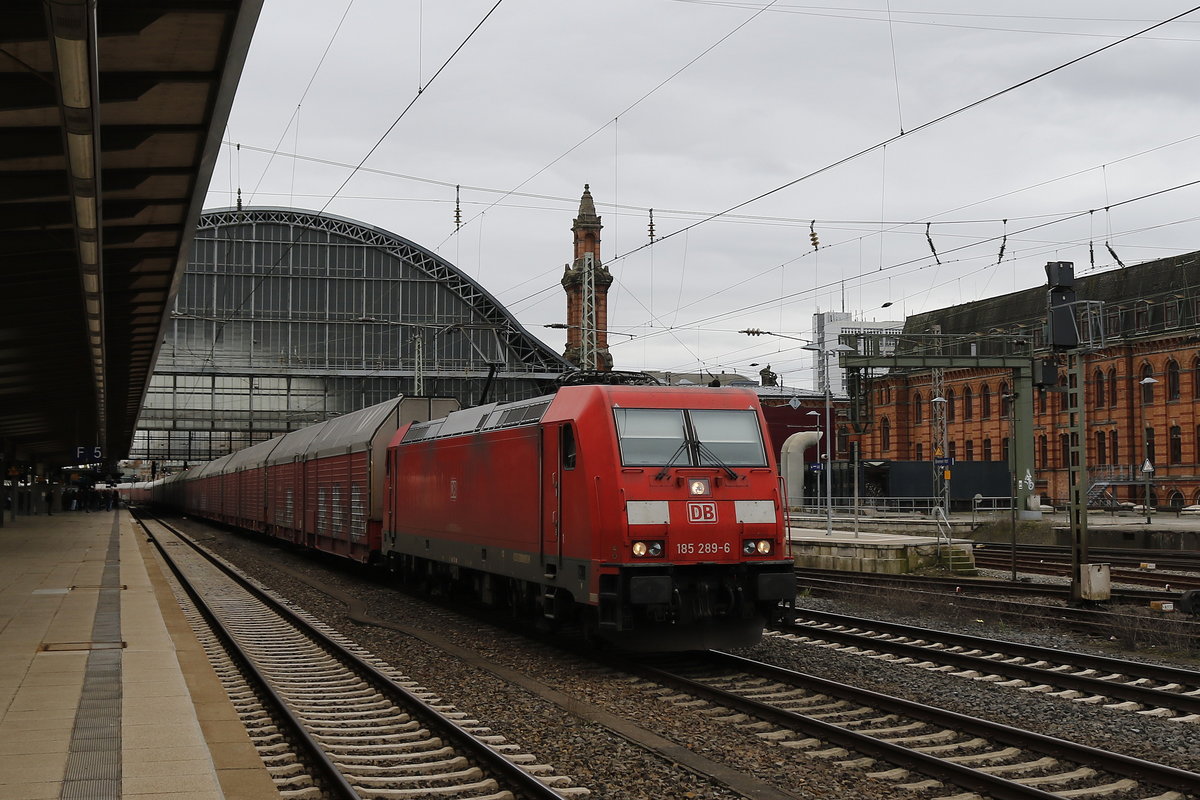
{"x":613,"y":767}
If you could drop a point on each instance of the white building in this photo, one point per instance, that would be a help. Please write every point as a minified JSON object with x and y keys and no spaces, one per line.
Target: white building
{"x":827,"y":326}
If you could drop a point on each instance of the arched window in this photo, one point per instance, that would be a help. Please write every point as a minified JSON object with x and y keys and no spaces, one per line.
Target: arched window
{"x":985,"y":401}
{"x":918,"y":409}
{"x":1172,"y":380}
{"x":1101,"y":395}
{"x":1042,"y":401}
{"x":1176,"y":445}
{"x":920,"y":453}
{"x":1043,"y":452}
{"x":1005,"y":400}
{"x":1150,"y":444}
{"x":1196,"y":378}
{"x":843,"y":441}
{"x":950,"y":405}
{"x":885,"y":434}
{"x":987,"y":449}
{"x":1064,"y":450}
{"x":971,"y":449}
{"x":1101,"y":448}
{"x":1175,"y":499}
{"x":967,"y":402}
{"x":1113,"y":452}
{"x":1144,"y":374}
{"x":1112,"y":387}
{"x":1004,"y":449}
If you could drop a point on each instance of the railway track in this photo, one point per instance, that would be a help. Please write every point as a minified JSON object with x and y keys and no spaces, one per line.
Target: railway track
{"x":966,"y":595}
{"x":1115,"y":683}
{"x":1180,"y":560}
{"x":330,"y":720}
{"x":807,"y":577}
{"x":1047,"y":565}
{"x":913,"y":744}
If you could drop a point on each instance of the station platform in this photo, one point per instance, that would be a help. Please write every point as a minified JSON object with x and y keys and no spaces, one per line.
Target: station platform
{"x":104,"y":690}
{"x":875,"y":551}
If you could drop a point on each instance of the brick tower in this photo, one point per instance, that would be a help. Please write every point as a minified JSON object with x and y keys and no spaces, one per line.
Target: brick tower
{"x":586,"y":282}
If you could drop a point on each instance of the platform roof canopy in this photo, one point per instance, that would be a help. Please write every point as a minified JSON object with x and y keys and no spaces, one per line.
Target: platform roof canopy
{"x":111,"y":116}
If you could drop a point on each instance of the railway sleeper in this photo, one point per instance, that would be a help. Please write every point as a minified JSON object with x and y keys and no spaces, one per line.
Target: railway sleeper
{"x":367,"y":761}
{"x":1157,"y":712}
{"x":953,"y":747}
{"x":934,"y":736}
{"x":488,"y":785}
{"x":305,"y":793}
{"x":911,"y":726}
{"x":989,"y":757}
{"x":429,"y":778}
{"x":390,"y":750}
{"x":841,"y":715}
{"x":885,"y":719}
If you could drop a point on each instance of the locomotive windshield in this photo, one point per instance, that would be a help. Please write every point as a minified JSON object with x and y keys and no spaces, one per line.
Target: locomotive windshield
{"x":653,"y":437}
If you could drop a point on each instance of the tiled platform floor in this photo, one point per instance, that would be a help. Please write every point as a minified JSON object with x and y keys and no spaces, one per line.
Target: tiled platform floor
{"x":104,"y":690}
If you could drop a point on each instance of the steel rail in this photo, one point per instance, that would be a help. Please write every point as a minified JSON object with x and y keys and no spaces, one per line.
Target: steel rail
{"x":521,"y":782}
{"x":1003,"y":789}
{"x":1120,"y":690}
{"x":328,"y":776}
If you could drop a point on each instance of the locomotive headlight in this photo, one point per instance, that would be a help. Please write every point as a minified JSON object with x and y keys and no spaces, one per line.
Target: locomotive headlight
{"x":764,"y":547}
{"x":748,"y":547}
{"x":639,"y":549}
{"x":643,"y":549}
{"x":656,"y":548}
{"x":698,"y":487}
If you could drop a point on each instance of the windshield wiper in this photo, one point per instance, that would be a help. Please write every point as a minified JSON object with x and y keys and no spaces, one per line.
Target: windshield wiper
{"x":707,"y":452}
{"x":662,"y":473}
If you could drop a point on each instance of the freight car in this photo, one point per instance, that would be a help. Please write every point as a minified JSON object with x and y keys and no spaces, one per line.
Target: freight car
{"x":320,"y":487}
{"x":651,"y":516}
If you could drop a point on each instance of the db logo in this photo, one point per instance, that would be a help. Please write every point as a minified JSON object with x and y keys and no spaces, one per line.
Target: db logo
{"x":702,"y":512}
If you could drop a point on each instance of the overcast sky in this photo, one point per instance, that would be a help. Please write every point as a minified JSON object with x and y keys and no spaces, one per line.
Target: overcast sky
{"x":693,"y":107}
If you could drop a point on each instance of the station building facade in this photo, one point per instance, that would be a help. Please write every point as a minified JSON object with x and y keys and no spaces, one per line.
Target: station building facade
{"x":1149,"y":328}
{"x":285,"y":318}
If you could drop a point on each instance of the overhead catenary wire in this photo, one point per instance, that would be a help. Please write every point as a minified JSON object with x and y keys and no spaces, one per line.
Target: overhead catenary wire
{"x":635,"y":103}
{"x":284,"y":252}
{"x":875,"y":276}
{"x":923,"y":126}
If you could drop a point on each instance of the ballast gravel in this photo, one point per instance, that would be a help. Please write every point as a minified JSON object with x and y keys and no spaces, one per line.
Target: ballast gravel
{"x":612,"y":766}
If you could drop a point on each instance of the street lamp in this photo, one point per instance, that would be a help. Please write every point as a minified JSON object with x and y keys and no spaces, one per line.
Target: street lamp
{"x":828,"y":388}
{"x":825,"y":467}
{"x":828,"y":435}
{"x":1147,"y":467}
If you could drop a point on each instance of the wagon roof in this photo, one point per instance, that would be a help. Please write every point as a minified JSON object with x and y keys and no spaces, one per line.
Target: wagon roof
{"x":294,"y":444}
{"x":213,"y":467}
{"x":253,"y":456}
{"x":353,"y":432}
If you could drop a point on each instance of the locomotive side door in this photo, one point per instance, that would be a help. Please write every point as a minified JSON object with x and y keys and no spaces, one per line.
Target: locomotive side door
{"x":558,"y":460}
{"x":551,"y":499}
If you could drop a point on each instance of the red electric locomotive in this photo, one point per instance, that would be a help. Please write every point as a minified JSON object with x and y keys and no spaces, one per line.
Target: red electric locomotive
{"x":653,"y":515}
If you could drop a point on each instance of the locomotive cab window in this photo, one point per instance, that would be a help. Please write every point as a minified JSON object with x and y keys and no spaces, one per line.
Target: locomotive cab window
{"x":696,"y":437}
{"x":730,"y":437}
{"x":651,"y":437}
{"x":566,"y":446}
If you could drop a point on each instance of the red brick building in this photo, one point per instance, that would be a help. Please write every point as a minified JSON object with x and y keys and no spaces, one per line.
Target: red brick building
{"x":1151,"y":319}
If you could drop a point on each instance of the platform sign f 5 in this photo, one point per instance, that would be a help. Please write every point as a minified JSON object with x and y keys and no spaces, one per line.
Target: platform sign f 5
{"x":85,"y":454}
{"x":702,"y":513}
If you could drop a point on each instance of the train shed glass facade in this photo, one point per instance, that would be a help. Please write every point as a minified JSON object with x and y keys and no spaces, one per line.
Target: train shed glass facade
{"x":285,"y":318}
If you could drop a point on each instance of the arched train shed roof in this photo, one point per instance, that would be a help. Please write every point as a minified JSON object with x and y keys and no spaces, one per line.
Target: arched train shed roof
{"x":527,"y":350}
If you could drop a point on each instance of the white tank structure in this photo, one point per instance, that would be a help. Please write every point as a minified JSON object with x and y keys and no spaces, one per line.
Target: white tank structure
{"x":792,"y":465}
